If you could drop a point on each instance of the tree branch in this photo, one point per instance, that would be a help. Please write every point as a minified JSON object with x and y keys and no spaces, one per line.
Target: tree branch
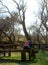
{"x":13,"y":17}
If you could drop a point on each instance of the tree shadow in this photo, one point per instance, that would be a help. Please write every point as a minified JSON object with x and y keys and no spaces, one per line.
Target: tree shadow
{"x":27,"y":62}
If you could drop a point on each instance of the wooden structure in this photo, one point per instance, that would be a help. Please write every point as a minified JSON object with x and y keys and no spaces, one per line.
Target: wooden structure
{"x":22,"y":51}
{"x":8,"y":48}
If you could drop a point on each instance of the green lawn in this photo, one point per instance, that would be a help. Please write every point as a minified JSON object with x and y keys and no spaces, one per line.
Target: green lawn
{"x":41,"y":59}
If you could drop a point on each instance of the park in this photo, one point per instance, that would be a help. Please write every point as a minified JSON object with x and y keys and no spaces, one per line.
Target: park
{"x":23,"y":38}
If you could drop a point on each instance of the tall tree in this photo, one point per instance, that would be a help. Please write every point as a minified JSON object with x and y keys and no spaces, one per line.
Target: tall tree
{"x":22,"y":9}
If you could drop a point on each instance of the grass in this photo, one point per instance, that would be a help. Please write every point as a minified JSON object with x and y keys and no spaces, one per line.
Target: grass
{"x":41,"y":59}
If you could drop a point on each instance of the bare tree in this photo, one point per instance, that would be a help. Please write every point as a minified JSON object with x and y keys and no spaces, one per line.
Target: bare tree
{"x":22,"y":9}
{"x":43,"y":14}
{"x":43,"y":17}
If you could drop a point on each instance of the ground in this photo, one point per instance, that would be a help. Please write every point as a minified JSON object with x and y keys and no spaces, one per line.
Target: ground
{"x":41,"y":59}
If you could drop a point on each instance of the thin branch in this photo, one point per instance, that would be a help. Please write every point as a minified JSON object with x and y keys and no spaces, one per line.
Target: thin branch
{"x":13,"y":17}
{"x":3,"y":11}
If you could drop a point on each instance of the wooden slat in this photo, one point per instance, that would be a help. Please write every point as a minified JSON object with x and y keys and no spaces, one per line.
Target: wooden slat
{"x":11,"y":50}
{"x":11,"y":46}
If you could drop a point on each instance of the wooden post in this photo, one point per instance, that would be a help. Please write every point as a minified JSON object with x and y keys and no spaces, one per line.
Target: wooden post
{"x":29,"y":55}
{"x":33,"y":54}
{"x":9,"y":54}
{"x":4,"y":54}
{"x":23,"y":55}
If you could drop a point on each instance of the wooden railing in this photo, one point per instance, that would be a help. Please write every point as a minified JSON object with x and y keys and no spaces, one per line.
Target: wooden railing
{"x":8,"y":48}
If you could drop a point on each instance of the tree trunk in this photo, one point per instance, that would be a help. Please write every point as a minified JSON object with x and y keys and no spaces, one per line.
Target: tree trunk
{"x":24,"y":28}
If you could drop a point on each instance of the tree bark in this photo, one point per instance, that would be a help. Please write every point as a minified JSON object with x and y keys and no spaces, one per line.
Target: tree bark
{"x":24,"y":28}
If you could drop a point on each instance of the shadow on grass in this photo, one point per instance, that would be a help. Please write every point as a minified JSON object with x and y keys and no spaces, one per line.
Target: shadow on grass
{"x":17,"y":61}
